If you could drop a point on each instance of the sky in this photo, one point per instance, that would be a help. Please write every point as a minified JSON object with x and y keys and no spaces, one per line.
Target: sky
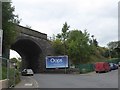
{"x":99,"y":17}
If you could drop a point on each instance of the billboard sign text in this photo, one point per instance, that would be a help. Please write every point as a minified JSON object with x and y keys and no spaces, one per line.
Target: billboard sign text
{"x":56,"y":61}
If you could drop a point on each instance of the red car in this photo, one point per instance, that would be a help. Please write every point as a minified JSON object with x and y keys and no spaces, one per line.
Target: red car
{"x":102,"y":67}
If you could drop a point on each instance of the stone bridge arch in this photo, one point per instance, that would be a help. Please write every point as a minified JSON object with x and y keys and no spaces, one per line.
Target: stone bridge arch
{"x":33,"y":47}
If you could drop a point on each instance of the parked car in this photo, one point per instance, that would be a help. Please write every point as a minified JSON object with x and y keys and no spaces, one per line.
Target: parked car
{"x":113,"y":66}
{"x":119,"y":64}
{"x":102,"y":67}
{"x":26,"y":72}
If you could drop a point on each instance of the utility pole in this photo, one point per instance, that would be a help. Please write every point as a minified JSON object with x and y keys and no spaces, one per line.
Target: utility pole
{"x":1,"y":34}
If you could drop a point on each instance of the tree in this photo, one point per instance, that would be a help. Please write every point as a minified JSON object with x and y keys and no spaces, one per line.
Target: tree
{"x":78,"y":46}
{"x":112,"y":45}
{"x":58,"y":47}
{"x":17,"y":61}
{"x":64,"y":35}
{"x":114,"y":50}
{"x":79,"y":49}
{"x":14,"y":60}
{"x":94,"y":42}
{"x":9,"y":20}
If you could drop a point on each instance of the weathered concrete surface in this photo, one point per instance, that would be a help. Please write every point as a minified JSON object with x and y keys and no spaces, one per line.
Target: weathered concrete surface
{"x":3,"y":84}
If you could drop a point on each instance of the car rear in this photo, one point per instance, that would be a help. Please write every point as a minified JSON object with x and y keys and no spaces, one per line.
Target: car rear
{"x":27,"y":72}
{"x":102,"y":67}
{"x":30,"y":72}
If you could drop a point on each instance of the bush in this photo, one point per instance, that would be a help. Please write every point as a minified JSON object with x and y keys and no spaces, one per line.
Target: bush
{"x":14,"y":74}
{"x":115,"y":60}
{"x":11,"y":74}
{"x":4,"y":72}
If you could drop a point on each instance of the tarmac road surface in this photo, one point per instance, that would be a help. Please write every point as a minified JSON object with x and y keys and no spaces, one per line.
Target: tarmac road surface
{"x":91,"y":80}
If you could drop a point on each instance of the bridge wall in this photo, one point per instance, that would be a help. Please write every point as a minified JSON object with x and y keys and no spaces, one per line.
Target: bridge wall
{"x":40,"y":39}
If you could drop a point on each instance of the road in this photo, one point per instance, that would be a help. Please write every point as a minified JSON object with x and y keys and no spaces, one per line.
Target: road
{"x":92,"y":80}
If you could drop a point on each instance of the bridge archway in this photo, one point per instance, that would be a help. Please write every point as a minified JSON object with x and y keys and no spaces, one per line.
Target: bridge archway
{"x":30,"y":52}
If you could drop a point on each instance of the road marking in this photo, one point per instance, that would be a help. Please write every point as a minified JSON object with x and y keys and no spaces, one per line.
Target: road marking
{"x":28,"y":84}
{"x":35,"y":82}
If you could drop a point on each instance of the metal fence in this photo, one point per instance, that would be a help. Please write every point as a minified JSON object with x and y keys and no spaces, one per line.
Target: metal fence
{"x":8,"y":72}
{"x":85,"y":68}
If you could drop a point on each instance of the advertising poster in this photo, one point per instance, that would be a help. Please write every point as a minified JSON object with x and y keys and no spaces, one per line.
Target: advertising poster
{"x":56,"y":61}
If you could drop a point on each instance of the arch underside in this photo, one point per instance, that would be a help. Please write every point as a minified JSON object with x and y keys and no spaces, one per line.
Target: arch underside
{"x":30,"y":52}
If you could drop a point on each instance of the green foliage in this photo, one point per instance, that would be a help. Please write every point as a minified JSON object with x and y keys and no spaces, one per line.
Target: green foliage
{"x":98,"y":54}
{"x":112,"y":45}
{"x":11,"y":75}
{"x":58,"y":47}
{"x":14,"y":74}
{"x":13,"y":60}
{"x":63,"y":36}
{"x":9,"y":20}
{"x":93,"y":42}
{"x":4,"y":72}
{"x":78,"y":47}
{"x":114,"y":49}
{"x":113,"y":60}
{"x":17,"y":62}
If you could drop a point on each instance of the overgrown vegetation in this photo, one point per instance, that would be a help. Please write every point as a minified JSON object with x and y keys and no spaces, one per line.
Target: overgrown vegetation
{"x":81,"y":47}
{"x":12,"y":73}
{"x":9,"y":20}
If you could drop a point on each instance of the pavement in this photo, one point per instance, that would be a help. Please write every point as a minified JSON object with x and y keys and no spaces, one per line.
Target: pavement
{"x":27,"y":82}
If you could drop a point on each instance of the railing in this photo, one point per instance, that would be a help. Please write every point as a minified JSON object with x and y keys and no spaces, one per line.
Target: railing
{"x":8,"y":72}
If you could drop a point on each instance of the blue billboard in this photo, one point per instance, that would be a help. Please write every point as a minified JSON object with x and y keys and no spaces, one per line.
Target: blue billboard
{"x":56,"y":61}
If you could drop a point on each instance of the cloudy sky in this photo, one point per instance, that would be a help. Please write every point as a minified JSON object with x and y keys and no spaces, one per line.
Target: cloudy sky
{"x":99,"y":17}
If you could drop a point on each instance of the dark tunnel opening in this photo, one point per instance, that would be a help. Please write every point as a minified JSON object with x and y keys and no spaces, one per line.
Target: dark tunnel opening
{"x":30,"y":53}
